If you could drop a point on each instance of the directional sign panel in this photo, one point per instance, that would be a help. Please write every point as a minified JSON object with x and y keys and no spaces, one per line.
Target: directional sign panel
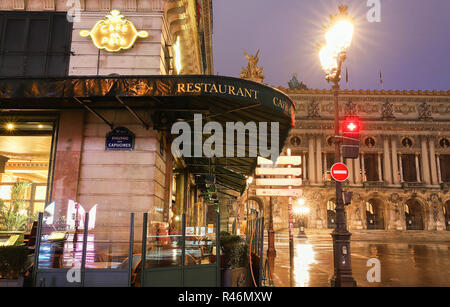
{"x":279,"y":192}
{"x":279,"y":181}
{"x":282,"y":160}
{"x":265,"y":171}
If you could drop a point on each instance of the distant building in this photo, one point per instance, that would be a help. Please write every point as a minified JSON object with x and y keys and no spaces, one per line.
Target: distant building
{"x":401,"y":178}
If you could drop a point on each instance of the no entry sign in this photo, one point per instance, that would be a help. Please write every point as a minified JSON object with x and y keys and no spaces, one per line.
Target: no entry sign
{"x":339,"y":172}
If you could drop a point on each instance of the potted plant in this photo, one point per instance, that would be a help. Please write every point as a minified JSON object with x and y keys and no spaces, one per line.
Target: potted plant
{"x":234,"y":260}
{"x":14,"y":215}
{"x":13,"y":262}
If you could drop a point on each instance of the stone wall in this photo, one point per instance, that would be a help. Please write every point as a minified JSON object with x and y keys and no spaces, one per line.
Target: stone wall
{"x":121,"y":182}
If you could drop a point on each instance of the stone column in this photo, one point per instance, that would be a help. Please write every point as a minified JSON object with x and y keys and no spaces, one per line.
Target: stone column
{"x":438,"y":163}
{"x":311,"y":173}
{"x":394,"y":161}
{"x":400,"y":164}
{"x":425,"y":162}
{"x":357,"y":170}
{"x":325,"y":170}
{"x":387,"y":161}
{"x":349,"y":164}
{"x":319,"y":175}
{"x":363,"y":168}
{"x":304,"y":167}
{"x":434,"y":177}
{"x":417,"y":168}
{"x":380,"y":176}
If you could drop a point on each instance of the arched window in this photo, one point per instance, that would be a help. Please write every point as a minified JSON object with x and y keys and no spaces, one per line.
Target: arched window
{"x":331,"y":206}
{"x":369,"y":207}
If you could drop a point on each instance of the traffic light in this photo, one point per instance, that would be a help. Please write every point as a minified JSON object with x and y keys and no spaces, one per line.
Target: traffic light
{"x":351,"y":137}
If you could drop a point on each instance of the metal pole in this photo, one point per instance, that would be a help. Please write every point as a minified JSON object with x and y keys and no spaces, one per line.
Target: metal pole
{"x":183,"y":246}
{"x":261,"y":251}
{"x":83,"y":255}
{"x":291,"y":233}
{"x":144,"y":247}
{"x":219,"y":279}
{"x":130,"y":249}
{"x":271,"y":252}
{"x":37,"y":247}
{"x":341,"y":236}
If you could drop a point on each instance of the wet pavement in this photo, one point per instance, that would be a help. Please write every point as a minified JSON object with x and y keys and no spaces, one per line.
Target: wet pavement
{"x":402,"y":264}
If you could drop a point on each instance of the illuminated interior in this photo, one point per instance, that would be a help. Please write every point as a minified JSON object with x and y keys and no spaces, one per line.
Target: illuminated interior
{"x":25,"y":149}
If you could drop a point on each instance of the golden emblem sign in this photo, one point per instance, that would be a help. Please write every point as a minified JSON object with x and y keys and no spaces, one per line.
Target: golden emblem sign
{"x":114,"y":33}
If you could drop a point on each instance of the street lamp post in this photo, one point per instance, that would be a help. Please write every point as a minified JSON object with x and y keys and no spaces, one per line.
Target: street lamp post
{"x":332,"y":55}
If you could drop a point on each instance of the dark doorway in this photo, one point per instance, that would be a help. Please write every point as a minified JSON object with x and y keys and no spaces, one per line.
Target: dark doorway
{"x":331,"y":214}
{"x":409,"y":168}
{"x":414,"y":215}
{"x":374,"y":214}
{"x":371,"y":167}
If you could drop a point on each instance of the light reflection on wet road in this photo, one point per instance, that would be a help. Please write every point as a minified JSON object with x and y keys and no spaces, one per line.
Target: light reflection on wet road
{"x":402,"y":264}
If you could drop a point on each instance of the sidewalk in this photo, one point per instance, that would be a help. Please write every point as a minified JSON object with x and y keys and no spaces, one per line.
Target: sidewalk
{"x":376,"y":235}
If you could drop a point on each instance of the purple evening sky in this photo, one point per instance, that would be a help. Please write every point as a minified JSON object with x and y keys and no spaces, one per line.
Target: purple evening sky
{"x":411,"y":44}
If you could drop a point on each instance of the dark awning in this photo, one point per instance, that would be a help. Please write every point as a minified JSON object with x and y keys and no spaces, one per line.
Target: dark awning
{"x":220,"y":99}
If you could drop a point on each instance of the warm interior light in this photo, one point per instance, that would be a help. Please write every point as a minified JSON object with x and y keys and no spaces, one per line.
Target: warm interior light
{"x":10,"y":126}
{"x":177,"y":50}
{"x":301,"y":201}
{"x":40,"y":126}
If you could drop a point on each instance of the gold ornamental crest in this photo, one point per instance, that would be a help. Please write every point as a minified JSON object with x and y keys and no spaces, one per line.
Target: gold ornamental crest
{"x":114,"y":33}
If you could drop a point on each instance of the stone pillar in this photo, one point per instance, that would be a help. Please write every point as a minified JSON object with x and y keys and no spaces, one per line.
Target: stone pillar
{"x":311,"y":172}
{"x":304,"y":166}
{"x":400,"y":164}
{"x":380,"y":177}
{"x":387,"y":161}
{"x":425,"y":162}
{"x":363,"y":168}
{"x":319,"y":177}
{"x":434,"y":177}
{"x":417,"y":168}
{"x":357,"y":170}
{"x":325,"y":170}
{"x":349,"y":164}
{"x":438,"y":163}
{"x":395,"y":174}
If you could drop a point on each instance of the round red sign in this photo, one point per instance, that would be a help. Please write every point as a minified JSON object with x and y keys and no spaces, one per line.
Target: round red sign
{"x":339,"y":172}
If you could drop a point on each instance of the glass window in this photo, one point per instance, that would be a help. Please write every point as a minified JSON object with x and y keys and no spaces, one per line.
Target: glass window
{"x":25,"y":149}
{"x":34,"y":44}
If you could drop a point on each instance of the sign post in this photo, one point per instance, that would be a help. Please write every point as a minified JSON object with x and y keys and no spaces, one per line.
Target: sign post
{"x":287,"y":179}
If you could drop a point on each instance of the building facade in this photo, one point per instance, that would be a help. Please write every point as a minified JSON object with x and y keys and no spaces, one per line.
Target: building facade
{"x":400,"y":181}
{"x":60,"y":151}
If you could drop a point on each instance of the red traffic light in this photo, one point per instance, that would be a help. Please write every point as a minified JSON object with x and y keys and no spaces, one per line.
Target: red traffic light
{"x":351,"y":125}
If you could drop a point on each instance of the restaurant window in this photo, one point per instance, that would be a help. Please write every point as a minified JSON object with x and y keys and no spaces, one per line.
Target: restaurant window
{"x":25,"y":169}
{"x":34,"y":44}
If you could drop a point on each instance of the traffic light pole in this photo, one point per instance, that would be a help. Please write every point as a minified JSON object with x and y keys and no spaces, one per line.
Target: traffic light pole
{"x":341,"y":236}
